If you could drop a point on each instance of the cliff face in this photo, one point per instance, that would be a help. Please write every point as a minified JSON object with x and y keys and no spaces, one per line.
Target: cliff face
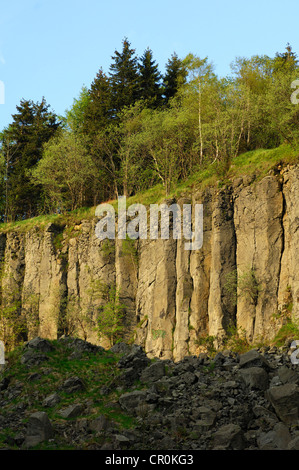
{"x":172,"y":296}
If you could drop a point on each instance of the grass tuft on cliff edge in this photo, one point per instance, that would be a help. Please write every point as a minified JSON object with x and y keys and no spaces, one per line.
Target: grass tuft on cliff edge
{"x":257,"y":162}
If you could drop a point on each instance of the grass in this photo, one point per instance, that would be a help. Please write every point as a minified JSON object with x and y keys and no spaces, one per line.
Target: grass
{"x":259,"y":162}
{"x":256,"y":162}
{"x":289,"y":331}
{"x":40,"y":222}
{"x":96,"y":370}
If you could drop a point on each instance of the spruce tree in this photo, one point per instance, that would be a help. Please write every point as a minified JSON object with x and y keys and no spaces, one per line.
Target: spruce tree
{"x":149,"y":80}
{"x":174,"y":77}
{"x":22,"y":146}
{"x":124,"y":78}
{"x":98,"y":112}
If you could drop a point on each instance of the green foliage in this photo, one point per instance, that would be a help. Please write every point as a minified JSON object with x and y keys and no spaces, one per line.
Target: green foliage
{"x":21,"y":147}
{"x":96,"y":370}
{"x":174,"y":78}
{"x":124,"y":77}
{"x":149,"y":81}
{"x":158,"y":334}
{"x":244,"y":285}
{"x":289,"y":331}
{"x":66,"y":172}
{"x":249,"y":286}
{"x":75,"y":116}
{"x":236,"y":340}
{"x":110,"y":324}
{"x":207,"y":342}
{"x":134,"y":128}
{"x":108,"y":249}
{"x":129,"y":249}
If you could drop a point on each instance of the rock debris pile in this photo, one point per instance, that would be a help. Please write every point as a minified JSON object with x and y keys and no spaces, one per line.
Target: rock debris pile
{"x":232,"y":401}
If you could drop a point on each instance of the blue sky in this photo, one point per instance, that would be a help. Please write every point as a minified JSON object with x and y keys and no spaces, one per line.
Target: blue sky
{"x":52,"y":48}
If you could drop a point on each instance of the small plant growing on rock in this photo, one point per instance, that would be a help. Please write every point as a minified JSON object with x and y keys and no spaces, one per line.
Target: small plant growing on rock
{"x":244,"y":285}
{"x":207,"y":342}
{"x":158,"y":334}
{"x":236,"y":339}
{"x":110,"y":317}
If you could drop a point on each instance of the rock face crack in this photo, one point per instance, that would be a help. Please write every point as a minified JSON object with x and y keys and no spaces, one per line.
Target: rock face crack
{"x":283,"y":215}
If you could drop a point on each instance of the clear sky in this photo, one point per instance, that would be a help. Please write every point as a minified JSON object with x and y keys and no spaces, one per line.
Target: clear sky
{"x":52,"y":48}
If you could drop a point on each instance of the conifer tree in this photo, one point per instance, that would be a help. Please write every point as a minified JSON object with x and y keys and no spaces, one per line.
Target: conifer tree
{"x":174,"y":77}
{"x":124,"y":77}
{"x":98,"y":112}
{"x":22,"y":146}
{"x":149,"y":80}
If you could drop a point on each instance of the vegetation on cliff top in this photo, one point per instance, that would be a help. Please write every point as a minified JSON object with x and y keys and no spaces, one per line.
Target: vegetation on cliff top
{"x":257,"y":163}
{"x":146,"y":135}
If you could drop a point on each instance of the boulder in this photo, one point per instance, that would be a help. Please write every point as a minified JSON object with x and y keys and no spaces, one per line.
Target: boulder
{"x":51,"y":400}
{"x":39,"y":429}
{"x":229,"y":437}
{"x":73,"y":384}
{"x":99,"y":424}
{"x":136,"y":359}
{"x":72,"y":411}
{"x":255,"y":378}
{"x":277,"y":439}
{"x":33,"y":358}
{"x":40,"y":344}
{"x":287,"y":375}
{"x":285,"y":400}
{"x":132,"y":400}
{"x":253,"y":358}
{"x":153,"y":373}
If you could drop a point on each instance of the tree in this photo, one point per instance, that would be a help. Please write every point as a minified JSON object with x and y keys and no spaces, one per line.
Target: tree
{"x":174,"y":77}
{"x":130,"y":148}
{"x":161,"y":135}
{"x":124,"y":78}
{"x":149,"y":80}
{"x":286,"y":60}
{"x":75,"y":116}
{"x":111,"y":315}
{"x":22,"y":144}
{"x":66,"y":173}
{"x":200,"y":73}
{"x":98,"y":111}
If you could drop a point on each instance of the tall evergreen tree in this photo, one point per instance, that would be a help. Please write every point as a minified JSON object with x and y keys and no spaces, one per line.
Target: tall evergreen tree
{"x":174,"y":77}
{"x":99,"y":110}
{"x":124,"y":77}
{"x":150,"y":80}
{"x":286,"y":60}
{"x":22,"y":146}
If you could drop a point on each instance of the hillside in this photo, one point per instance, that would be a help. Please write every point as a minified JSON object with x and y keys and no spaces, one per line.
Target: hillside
{"x":71,"y":395}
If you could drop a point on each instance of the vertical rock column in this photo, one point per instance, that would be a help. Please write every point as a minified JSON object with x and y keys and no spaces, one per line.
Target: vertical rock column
{"x":200,"y":272}
{"x":12,"y":276}
{"x":52,"y":284}
{"x":156,"y":294}
{"x":223,"y":262}
{"x":126,"y":271}
{"x":91,"y":268}
{"x":258,"y":214}
{"x":31,"y":285}
{"x":288,"y":293}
